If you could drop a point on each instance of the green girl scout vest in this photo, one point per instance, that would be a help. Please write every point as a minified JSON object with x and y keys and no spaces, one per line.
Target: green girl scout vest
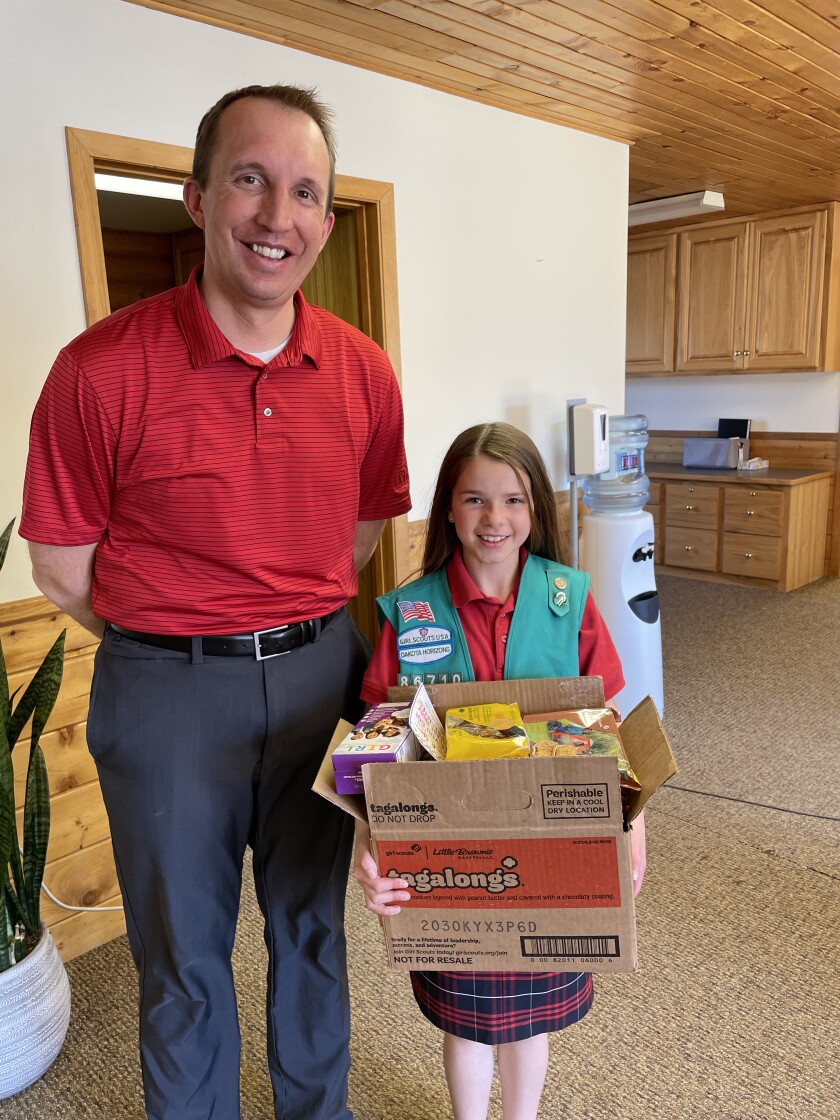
{"x":543,"y":637}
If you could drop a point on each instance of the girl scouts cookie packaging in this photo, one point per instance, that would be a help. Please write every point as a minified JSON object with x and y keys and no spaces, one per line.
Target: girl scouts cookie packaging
{"x":587,"y":732}
{"x":383,"y":735}
{"x":485,"y":731}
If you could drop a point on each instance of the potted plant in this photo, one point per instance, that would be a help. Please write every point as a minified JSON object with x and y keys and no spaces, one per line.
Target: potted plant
{"x":34,"y":990}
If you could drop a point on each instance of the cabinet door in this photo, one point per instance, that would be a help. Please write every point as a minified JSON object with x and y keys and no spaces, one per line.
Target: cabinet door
{"x":651,"y":299}
{"x":712,"y":301}
{"x":785,"y":301}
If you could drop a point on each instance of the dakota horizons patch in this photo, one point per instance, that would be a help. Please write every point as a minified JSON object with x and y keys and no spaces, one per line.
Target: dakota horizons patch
{"x":423,"y":644}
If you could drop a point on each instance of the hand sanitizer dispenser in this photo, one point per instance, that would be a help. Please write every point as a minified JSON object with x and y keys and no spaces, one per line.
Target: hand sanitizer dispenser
{"x":589,"y":440}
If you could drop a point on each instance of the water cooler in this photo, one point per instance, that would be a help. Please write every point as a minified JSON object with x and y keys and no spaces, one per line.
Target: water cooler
{"x":616,"y":548}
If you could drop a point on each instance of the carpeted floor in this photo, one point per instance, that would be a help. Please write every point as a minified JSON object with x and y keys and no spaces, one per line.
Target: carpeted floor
{"x":734,"y":1013}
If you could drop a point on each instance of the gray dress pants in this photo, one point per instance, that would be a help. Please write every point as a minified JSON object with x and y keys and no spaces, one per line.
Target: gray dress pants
{"x":197,"y":758}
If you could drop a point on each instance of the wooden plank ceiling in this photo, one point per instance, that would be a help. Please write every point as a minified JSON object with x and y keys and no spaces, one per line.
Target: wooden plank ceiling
{"x":739,"y":96}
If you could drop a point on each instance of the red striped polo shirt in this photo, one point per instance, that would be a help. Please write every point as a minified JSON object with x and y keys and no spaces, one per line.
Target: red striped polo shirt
{"x":486,"y":623}
{"x":223,"y":493}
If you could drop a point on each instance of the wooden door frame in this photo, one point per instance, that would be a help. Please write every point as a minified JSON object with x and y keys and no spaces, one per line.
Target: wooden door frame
{"x":89,"y":152}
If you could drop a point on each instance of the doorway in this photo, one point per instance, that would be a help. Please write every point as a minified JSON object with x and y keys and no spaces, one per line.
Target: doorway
{"x":355,"y":277}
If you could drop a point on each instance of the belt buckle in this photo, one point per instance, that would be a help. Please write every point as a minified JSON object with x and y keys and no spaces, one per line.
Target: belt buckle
{"x":257,"y":634}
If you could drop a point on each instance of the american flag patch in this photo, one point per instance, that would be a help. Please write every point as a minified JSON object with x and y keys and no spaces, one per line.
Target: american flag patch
{"x":421,"y":611}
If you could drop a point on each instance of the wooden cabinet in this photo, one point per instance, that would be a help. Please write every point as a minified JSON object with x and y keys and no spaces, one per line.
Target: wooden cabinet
{"x":786,"y":286}
{"x":691,"y":518}
{"x":654,"y":508}
{"x":651,"y":292}
{"x":712,"y":299}
{"x":769,"y":530}
{"x":749,"y":296}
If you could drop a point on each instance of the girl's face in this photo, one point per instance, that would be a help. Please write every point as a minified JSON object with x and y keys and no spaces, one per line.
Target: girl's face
{"x":490,"y":510}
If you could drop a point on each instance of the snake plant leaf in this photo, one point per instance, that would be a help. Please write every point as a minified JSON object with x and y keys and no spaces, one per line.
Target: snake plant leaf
{"x":7,"y":777}
{"x":5,"y":702}
{"x":4,"y":680}
{"x":8,"y":840}
{"x":13,"y":906}
{"x":6,"y":937}
{"x":36,"y":834}
{"x":40,"y":695}
{"x":8,"y":832}
{"x":5,"y":537}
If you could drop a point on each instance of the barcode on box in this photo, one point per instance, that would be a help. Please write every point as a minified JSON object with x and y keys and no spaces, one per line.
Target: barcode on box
{"x":570,"y":946}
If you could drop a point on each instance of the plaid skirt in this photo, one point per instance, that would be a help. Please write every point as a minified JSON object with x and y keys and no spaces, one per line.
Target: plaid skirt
{"x":494,"y":1007}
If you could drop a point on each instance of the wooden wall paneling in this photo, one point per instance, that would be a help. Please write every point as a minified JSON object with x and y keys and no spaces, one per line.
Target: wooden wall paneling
{"x":29,"y":626}
{"x":69,"y":762}
{"x":84,"y":878}
{"x":80,"y":932}
{"x":78,"y":819}
{"x":79,"y":868}
{"x":416,"y":541}
{"x":75,"y":686}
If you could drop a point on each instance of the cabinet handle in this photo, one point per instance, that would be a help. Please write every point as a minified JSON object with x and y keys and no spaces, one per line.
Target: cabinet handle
{"x":750,"y":512}
{"x":748,"y":555}
{"x":691,"y":489}
{"x":689,"y":507}
{"x":752,"y":493}
{"x":742,"y":353}
{"x":687,"y":547}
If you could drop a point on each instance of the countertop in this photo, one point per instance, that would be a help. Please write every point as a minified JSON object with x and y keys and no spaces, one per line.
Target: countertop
{"x":778,"y":476}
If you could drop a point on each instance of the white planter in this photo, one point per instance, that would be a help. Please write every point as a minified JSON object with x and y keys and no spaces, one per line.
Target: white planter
{"x":34,"y":1015}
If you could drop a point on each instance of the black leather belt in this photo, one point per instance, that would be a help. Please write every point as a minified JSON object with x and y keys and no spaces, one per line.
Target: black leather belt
{"x":260,"y":644}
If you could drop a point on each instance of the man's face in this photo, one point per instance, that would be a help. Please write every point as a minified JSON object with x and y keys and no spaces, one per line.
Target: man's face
{"x":262,"y":210}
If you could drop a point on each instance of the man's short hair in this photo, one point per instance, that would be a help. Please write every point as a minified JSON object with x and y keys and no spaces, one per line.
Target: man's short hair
{"x":291,"y":97}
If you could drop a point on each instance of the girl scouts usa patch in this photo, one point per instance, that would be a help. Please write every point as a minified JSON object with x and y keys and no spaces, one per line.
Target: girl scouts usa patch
{"x":423,"y":644}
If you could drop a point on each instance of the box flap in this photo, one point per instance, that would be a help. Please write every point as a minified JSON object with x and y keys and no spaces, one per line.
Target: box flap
{"x":531,"y":695}
{"x":324,"y":783}
{"x":648,"y":752}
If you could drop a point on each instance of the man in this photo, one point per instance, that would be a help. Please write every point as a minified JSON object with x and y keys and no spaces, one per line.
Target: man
{"x":208,"y":470}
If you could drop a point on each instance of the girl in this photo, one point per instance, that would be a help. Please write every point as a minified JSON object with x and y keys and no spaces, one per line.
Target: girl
{"x":492,"y":571}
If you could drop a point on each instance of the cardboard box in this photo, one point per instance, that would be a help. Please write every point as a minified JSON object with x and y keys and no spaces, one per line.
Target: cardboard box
{"x":383,"y":735}
{"x":515,"y":864}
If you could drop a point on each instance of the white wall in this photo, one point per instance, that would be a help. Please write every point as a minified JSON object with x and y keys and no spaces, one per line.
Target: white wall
{"x":780,"y":402}
{"x":511,"y":232}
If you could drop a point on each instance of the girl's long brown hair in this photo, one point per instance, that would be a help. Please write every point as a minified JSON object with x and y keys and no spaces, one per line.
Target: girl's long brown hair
{"x":509,"y":445}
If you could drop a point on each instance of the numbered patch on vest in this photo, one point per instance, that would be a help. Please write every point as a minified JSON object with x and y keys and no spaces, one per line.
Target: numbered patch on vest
{"x":406,"y":681}
{"x":424,"y":644}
